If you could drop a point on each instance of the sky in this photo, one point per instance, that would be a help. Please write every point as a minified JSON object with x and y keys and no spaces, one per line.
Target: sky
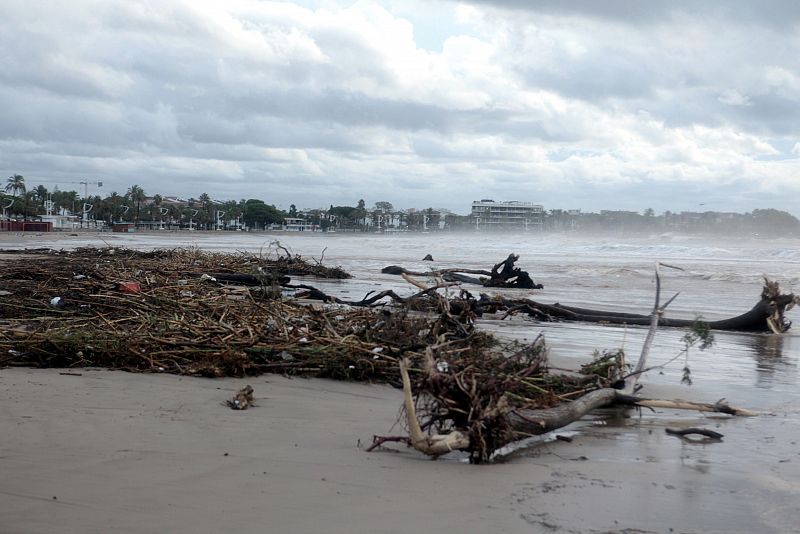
{"x":671,"y":105}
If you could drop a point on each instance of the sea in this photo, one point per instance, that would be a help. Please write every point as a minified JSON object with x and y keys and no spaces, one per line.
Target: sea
{"x":747,"y":482}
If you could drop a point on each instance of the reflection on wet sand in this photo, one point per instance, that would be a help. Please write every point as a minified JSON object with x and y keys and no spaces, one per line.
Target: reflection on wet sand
{"x":772,"y":354}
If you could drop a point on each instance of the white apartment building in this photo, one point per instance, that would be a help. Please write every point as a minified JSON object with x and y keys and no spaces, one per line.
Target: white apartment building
{"x":510,"y":215}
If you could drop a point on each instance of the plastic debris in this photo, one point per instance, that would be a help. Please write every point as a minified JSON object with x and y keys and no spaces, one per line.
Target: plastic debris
{"x":129,"y":287}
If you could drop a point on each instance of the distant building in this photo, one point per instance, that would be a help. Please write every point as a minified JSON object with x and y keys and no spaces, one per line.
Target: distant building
{"x":62,"y":222}
{"x":511,"y":215}
{"x":386,"y":221}
{"x":296,"y":224}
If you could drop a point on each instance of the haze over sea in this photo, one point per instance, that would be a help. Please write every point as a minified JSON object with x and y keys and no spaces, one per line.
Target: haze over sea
{"x":750,"y":480}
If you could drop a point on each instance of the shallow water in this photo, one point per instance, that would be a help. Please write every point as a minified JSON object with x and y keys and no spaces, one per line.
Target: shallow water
{"x":748,"y":482}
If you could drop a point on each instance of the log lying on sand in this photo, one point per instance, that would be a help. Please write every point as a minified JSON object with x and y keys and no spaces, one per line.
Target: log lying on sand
{"x":767,"y":315}
{"x":504,"y":274}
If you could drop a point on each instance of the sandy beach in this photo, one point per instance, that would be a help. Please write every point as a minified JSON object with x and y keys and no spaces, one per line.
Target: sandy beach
{"x":118,"y":452}
{"x":113,"y":451}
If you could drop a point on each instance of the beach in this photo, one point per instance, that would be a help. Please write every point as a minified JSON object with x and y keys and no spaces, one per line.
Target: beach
{"x":111,"y":451}
{"x":88,"y":450}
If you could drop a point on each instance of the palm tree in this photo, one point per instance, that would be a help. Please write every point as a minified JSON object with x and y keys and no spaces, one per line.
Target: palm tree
{"x":136,"y":195}
{"x":115,"y":202}
{"x":40,"y":192}
{"x":16,"y":185}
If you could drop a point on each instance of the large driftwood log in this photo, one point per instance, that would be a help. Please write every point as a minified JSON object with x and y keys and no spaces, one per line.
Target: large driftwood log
{"x":767,"y":315}
{"x":504,"y":274}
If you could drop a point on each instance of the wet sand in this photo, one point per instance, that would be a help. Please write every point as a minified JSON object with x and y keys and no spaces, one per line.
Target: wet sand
{"x":112,"y":451}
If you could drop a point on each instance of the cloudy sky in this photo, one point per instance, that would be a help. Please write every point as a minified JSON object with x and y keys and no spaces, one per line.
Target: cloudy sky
{"x":674,"y":105}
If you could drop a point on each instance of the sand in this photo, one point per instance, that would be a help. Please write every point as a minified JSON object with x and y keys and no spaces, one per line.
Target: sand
{"x":112,"y":451}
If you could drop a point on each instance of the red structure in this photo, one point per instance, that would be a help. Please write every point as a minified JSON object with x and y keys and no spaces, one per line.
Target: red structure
{"x":124,"y":227}
{"x":25,"y":226}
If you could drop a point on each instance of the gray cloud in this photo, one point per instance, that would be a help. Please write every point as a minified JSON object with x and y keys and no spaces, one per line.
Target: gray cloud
{"x":778,"y":13}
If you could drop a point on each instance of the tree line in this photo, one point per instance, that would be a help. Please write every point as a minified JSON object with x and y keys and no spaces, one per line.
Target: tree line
{"x":135,"y":206}
{"x":205,"y":213}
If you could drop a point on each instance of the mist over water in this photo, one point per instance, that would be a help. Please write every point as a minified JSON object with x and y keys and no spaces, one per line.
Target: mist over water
{"x":752,"y":477}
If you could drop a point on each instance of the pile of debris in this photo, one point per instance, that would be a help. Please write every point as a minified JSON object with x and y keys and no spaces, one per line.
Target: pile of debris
{"x":176,"y":311}
{"x":166,"y":311}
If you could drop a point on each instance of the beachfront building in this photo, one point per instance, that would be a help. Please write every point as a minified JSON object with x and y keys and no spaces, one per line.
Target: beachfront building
{"x":511,"y":215}
{"x":386,"y":220}
{"x":62,"y":222}
{"x":297,"y":224}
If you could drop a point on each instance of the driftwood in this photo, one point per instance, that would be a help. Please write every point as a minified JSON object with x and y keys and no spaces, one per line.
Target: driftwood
{"x":423,"y":299}
{"x":504,"y":274}
{"x":482,"y":406}
{"x":472,"y":392}
{"x":682,"y":433}
{"x":250,"y":279}
{"x":523,"y":423}
{"x":767,"y":315}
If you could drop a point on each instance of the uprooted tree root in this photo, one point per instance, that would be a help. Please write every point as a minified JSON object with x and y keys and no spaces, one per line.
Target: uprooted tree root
{"x":480,"y":406}
{"x":504,"y":274}
{"x":464,"y":398}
